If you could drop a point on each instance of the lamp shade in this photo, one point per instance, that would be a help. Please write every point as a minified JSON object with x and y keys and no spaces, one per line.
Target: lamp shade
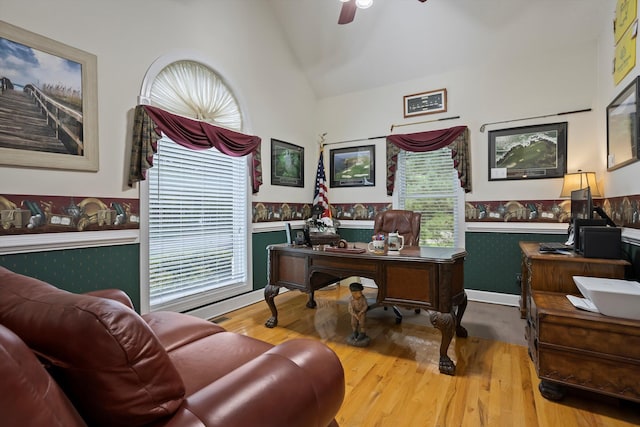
{"x":579,"y":180}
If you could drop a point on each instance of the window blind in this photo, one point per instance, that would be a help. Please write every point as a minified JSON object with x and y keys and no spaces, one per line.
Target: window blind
{"x":428,"y":183}
{"x":197,"y":226}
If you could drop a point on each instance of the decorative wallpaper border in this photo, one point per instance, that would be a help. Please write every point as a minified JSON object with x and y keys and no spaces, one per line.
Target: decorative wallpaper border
{"x":624,"y":211}
{"x":278,"y":211}
{"x":32,"y":214}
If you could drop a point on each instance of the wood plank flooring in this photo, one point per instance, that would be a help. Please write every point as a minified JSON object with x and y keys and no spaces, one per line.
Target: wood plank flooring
{"x":395,"y":381}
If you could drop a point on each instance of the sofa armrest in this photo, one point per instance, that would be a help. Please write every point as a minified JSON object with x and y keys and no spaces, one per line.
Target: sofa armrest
{"x":299,"y":383}
{"x":30,"y":396}
{"x":113,"y":294}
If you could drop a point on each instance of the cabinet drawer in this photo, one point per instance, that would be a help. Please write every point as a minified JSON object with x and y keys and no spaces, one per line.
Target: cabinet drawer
{"x":597,"y":338}
{"x":608,"y":375}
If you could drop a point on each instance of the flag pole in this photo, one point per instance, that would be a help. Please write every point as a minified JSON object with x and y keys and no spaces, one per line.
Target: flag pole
{"x":321,"y":188}
{"x":321,"y":142}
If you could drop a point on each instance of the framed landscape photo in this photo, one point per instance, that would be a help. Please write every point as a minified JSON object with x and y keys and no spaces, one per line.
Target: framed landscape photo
{"x":623,"y":127}
{"x":353,"y":166}
{"x":431,"y":102}
{"x":528,"y":152}
{"x":49,"y":90}
{"x":287,"y":164}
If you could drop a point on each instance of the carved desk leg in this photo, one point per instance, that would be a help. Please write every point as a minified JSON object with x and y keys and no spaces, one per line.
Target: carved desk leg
{"x":460,"y":330}
{"x":446,"y":322}
{"x":270,"y":293}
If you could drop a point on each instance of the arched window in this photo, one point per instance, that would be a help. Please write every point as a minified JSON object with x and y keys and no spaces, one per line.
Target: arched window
{"x":198,"y":215}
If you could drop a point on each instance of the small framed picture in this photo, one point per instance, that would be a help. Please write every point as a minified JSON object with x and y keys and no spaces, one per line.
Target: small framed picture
{"x":287,"y":164}
{"x":431,"y":102}
{"x":528,"y":152}
{"x":353,"y":167}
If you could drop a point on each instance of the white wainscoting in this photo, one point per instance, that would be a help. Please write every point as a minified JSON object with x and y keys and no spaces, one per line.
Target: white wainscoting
{"x":42,"y":242}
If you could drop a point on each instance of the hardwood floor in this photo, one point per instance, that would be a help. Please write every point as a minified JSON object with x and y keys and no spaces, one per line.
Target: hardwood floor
{"x":395,"y":381}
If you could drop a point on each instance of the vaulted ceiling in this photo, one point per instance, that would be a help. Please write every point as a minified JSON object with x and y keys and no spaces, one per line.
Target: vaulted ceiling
{"x":398,"y":40}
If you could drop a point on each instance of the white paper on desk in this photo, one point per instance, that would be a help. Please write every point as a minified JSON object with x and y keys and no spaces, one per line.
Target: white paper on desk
{"x":583,"y":303}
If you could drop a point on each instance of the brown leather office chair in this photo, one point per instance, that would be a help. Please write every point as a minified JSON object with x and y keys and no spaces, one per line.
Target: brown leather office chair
{"x":404,"y":222}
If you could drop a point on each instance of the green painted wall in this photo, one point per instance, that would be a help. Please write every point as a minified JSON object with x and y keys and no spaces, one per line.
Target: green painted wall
{"x":492,"y":263}
{"x":494,"y":260}
{"x":83,"y":270}
{"x":356,"y":235}
{"x":260,"y":242}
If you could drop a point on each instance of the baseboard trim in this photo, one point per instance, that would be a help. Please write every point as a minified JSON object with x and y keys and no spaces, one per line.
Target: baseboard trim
{"x":493,"y":297}
{"x":219,"y":308}
{"x":235,"y":303}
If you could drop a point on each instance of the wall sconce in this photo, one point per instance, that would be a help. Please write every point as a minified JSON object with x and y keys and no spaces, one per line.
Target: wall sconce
{"x":579,"y":180}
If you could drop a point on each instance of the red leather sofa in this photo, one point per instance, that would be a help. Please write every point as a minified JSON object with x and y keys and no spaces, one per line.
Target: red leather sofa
{"x":90,"y":360}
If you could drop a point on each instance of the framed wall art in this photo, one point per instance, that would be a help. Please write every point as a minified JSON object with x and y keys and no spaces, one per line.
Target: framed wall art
{"x":287,"y":164}
{"x":431,"y":102}
{"x":528,"y":152}
{"x":353,"y":166}
{"x":50,"y":90}
{"x":623,"y":127}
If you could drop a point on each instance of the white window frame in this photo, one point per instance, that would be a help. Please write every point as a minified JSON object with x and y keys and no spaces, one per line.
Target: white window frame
{"x":460,"y":227}
{"x":144,"y":99}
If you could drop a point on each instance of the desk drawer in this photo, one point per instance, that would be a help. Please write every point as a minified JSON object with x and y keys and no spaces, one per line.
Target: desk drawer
{"x":358,"y":266}
{"x":411,"y":283}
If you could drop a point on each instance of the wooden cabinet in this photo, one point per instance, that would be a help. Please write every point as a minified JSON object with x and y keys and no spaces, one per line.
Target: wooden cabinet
{"x":554,"y":272}
{"x":576,"y":348}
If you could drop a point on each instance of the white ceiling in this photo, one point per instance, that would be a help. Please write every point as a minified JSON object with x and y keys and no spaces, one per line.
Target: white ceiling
{"x":399,"y":40}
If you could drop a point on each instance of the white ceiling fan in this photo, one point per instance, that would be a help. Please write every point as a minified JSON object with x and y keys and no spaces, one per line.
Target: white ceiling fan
{"x":348,"y":11}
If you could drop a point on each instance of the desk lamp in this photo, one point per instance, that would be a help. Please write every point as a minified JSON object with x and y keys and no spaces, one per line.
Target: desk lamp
{"x":578,"y":181}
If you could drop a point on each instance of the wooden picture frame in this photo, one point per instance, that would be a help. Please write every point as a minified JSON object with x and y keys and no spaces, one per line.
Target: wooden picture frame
{"x":422,"y":103}
{"x":353,"y":166}
{"x":60,"y":80}
{"x":287,"y":164}
{"x":528,"y":152}
{"x":623,"y":127}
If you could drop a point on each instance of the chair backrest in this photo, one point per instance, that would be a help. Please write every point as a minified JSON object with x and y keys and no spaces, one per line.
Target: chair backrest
{"x":406,"y":223}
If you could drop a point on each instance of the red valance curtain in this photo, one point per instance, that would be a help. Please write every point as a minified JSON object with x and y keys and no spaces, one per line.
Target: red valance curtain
{"x":150,"y":122}
{"x":456,"y":138}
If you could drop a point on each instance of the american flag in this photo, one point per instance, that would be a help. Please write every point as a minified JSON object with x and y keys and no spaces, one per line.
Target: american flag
{"x":320,"y":195}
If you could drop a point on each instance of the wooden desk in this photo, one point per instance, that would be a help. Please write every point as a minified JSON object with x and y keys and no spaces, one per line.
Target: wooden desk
{"x":554,"y":272}
{"x":571,"y":347}
{"x":419,"y":278}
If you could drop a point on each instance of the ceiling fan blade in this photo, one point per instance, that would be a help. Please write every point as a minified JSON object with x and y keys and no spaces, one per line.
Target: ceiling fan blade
{"x":348,"y":12}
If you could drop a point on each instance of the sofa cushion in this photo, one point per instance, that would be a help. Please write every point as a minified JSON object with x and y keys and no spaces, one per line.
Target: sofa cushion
{"x":175,"y":330}
{"x":105,"y":357}
{"x":193,"y":342}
